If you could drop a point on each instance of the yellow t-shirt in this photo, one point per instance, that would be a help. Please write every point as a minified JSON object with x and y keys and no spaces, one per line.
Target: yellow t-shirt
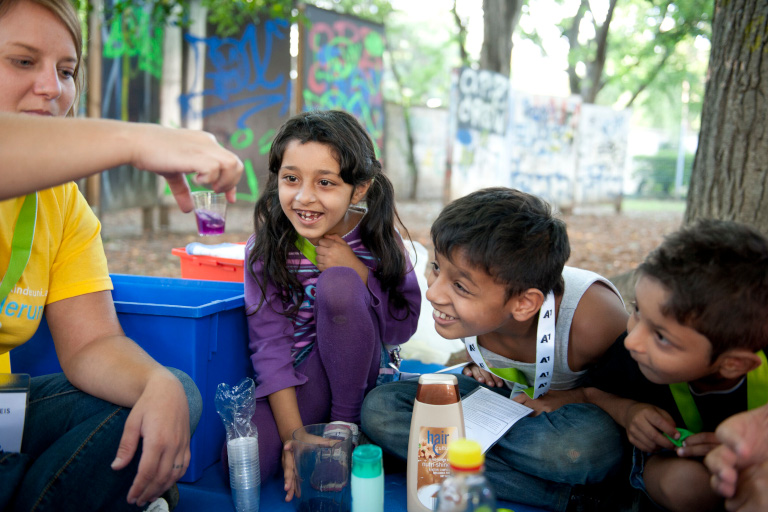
{"x":67,"y":260}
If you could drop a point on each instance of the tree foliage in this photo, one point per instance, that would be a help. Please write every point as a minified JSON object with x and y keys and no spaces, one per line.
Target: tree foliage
{"x":636,"y":52}
{"x":656,"y":173}
{"x":226,"y":15}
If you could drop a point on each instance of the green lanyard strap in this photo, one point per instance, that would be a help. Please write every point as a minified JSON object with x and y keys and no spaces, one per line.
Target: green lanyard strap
{"x":307,"y":249}
{"x":21,"y":244}
{"x":757,"y":384}
{"x":513,"y":375}
{"x":757,"y":395}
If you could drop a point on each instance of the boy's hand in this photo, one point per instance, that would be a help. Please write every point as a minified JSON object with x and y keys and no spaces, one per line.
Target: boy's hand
{"x":698,"y":445}
{"x":333,"y":251}
{"x":551,"y":401}
{"x":646,"y":426}
{"x":482,"y":376}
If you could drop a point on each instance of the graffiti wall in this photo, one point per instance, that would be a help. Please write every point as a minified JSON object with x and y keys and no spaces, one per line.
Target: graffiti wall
{"x":602,"y":150}
{"x":342,"y":68}
{"x":480,"y":105}
{"x":242,"y":93}
{"x":542,"y":145}
{"x":132,"y":61}
{"x":557,"y":148}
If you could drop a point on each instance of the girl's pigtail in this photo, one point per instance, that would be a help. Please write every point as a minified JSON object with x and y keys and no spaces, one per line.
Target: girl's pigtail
{"x":379,"y":235}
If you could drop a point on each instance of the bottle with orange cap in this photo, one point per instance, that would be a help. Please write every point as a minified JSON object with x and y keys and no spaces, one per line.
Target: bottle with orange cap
{"x":467,"y":489}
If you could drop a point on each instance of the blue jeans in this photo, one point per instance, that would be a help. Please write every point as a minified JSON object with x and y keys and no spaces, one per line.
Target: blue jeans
{"x":536,"y":463}
{"x":70,"y":440}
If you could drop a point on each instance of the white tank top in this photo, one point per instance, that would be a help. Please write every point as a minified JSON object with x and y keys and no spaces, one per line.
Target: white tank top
{"x":576,"y":283}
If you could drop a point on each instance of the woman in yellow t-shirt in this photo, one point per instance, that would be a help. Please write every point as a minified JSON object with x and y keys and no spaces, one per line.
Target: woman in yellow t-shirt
{"x":80,"y":449}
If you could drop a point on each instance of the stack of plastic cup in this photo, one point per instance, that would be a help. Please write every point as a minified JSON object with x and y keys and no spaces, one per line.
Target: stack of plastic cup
{"x":244,"y":477}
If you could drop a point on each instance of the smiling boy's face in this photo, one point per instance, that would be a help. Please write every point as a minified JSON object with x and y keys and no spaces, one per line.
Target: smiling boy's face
{"x":666,"y":351}
{"x":466,"y":299}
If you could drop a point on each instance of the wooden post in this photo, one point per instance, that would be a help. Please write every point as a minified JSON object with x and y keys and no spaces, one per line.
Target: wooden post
{"x":93,"y":107}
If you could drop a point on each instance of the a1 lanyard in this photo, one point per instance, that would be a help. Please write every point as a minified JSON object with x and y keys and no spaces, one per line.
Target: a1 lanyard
{"x":307,"y":249}
{"x":21,"y":244}
{"x":757,"y":395}
{"x":545,"y":355}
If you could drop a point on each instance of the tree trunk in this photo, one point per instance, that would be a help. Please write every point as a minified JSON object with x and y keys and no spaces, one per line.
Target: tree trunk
{"x":500,"y":19}
{"x":410,"y":157}
{"x":598,"y":64}
{"x":413,"y":168}
{"x":730,"y":172}
{"x":462,"y":36}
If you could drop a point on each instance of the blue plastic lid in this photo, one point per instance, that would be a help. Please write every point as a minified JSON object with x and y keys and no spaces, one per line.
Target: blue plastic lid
{"x":366,"y":461}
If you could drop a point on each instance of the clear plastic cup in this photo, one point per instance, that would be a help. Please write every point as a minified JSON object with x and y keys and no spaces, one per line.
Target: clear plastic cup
{"x":211,"y":212}
{"x":244,"y":476}
{"x":323,"y":455}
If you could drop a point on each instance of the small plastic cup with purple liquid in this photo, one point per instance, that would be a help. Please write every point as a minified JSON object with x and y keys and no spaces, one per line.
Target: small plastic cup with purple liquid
{"x":211,"y":212}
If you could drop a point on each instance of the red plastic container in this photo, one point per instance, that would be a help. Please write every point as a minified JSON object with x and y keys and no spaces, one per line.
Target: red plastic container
{"x":209,"y":268}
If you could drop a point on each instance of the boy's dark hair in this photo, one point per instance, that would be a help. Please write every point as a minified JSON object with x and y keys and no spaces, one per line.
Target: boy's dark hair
{"x":353,"y":149}
{"x":511,"y":235}
{"x":717,"y":274}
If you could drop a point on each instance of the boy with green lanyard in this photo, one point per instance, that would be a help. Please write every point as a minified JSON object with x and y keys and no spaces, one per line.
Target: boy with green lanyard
{"x":692,"y":357}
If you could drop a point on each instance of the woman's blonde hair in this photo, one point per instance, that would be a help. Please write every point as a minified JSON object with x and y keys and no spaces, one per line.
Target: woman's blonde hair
{"x":65,"y":11}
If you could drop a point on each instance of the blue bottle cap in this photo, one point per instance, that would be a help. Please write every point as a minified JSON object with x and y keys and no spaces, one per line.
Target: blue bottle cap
{"x":366,"y":461}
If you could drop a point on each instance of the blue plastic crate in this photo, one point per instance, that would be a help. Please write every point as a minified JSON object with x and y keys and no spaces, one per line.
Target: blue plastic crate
{"x":198,"y":327}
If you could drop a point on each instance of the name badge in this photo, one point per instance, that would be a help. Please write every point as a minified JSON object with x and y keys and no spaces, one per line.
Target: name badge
{"x":14,"y":393}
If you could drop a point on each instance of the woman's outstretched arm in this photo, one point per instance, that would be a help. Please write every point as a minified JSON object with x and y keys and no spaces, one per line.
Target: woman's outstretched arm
{"x":40,"y":152}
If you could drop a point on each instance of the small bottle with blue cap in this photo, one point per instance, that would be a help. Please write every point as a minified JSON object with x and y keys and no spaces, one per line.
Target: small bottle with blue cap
{"x":367,"y":479}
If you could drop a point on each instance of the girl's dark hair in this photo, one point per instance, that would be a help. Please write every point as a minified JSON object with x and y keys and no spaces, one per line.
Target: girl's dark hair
{"x":353,"y":149}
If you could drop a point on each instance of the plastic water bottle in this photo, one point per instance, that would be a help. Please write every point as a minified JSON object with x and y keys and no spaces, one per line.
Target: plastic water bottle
{"x":466,"y":489}
{"x":244,"y":475}
{"x":367,"y":479}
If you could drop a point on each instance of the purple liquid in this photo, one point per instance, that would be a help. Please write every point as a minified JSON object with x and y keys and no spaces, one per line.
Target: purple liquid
{"x":209,"y":223}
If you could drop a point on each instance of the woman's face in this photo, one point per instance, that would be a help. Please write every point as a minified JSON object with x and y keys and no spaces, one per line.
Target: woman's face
{"x":37,"y":62}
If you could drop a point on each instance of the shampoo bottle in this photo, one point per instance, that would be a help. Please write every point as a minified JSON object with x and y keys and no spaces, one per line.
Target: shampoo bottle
{"x":437,"y":420}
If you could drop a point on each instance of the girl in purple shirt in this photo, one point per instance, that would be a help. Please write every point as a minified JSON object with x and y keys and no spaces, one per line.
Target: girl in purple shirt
{"x":328,"y":284}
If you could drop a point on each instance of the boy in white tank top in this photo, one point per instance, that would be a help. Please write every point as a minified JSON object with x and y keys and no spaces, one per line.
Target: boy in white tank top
{"x":498,"y":282}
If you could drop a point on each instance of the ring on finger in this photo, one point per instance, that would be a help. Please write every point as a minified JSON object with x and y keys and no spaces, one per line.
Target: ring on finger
{"x":178,"y":466}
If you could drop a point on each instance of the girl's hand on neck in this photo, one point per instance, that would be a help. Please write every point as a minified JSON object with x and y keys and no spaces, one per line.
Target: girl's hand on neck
{"x":333,"y":251}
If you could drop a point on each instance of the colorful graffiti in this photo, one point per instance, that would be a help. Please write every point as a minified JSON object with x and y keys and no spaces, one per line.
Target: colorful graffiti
{"x":602,"y":149}
{"x":542,"y":145}
{"x":132,"y":34}
{"x":132,"y":64}
{"x":483,"y":101}
{"x":343,"y":68}
{"x":479,"y":145}
{"x":559,"y":149}
{"x":243,"y":93}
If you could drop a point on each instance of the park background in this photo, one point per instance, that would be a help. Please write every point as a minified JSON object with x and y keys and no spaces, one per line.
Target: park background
{"x":593,"y":104}
{"x":598,"y":106}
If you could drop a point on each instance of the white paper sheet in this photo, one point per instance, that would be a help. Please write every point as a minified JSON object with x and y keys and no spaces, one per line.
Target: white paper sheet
{"x":12,"y":412}
{"x":489,"y":415}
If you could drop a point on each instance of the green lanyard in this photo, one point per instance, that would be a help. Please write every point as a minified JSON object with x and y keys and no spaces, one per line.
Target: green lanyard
{"x":757,"y":395}
{"x":307,"y":249}
{"x":514,"y":375}
{"x":21,"y":244}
